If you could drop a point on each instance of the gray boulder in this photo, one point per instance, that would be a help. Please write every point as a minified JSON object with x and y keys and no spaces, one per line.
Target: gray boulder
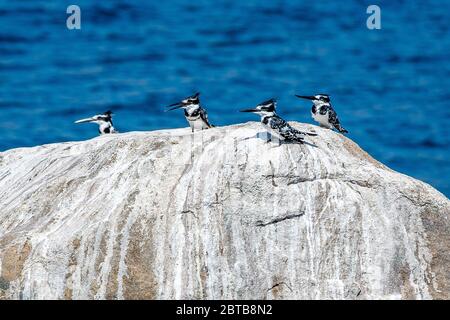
{"x":219,"y":214}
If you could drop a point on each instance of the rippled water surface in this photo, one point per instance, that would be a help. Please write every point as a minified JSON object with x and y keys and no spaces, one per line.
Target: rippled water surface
{"x":389,"y":86}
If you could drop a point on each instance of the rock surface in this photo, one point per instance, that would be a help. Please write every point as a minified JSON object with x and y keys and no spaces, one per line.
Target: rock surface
{"x":220,"y":214}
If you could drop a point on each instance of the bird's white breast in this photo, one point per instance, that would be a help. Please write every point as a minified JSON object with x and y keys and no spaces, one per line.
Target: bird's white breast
{"x":322,"y":119}
{"x":197,"y":123}
{"x":105,"y":125}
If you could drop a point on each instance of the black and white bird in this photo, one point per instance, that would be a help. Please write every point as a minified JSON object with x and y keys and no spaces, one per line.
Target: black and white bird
{"x":275,"y":124}
{"x":194,"y":113}
{"x":104,"y":122}
{"x":323,"y":112}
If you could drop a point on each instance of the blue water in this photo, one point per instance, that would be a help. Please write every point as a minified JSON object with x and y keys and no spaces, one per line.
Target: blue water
{"x":389,"y":86}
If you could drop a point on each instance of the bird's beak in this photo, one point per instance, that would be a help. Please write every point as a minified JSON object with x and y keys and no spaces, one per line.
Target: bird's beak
{"x":249,"y":110}
{"x":85,"y":120}
{"x":174,"y":106}
{"x":306,"y":97}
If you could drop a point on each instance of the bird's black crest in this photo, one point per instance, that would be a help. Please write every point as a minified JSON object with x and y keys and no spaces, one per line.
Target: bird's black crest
{"x":107,"y":116}
{"x":268,"y":105}
{"x":195,"y":99}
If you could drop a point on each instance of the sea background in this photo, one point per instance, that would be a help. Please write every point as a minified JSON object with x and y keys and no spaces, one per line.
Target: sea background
{"x":390,"y":87}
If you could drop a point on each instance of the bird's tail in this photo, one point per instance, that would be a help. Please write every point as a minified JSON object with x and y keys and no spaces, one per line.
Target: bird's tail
{"x":341,"y":129}
{"x":298,"y":136}
{"x":298,"y":139}
{"x":312,"y":134}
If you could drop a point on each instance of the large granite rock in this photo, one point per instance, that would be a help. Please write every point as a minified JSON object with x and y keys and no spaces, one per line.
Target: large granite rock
{"x":218,"y":214}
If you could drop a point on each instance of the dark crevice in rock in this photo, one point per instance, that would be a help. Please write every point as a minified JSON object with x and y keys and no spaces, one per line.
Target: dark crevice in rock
{"x":417,"y":202}
{"x":273,"y":175}
{"x":276,"y":285}
{"x":4,"y":284}
{"x":361,"y":183}
{"x":194,"y":214}
{"x":280,"y":219}
{"x":294,"y":179}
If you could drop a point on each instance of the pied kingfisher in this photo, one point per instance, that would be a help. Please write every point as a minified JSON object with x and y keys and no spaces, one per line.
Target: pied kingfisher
{"x":323,"y":112}
{"x":104,"y":122}
{"x":276,"y":125}
{"x":194,"y":113}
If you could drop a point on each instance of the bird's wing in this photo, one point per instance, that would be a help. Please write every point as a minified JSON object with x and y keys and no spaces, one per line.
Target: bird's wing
{"x":204,"y":117}
{"x":286,"y":131}
{"x":332,"y":117}
{"x":277,"y":123}
{"x":334,"y":120}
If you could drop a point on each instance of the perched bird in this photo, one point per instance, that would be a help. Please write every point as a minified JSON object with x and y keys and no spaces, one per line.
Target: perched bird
{"x":323,"y":112}
{"x":194,"y":113}
{"x":276,"y":125}
{"x":104,"y":122}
